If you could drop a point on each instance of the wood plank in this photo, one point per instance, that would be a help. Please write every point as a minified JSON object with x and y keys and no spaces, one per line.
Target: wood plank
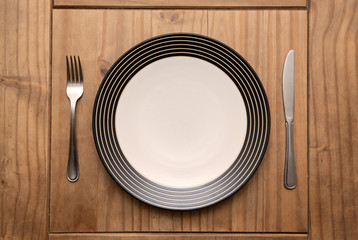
{"x":264,"y":38}
{"x":96,"y":202}
{"x":177,"y":236}
{"x":179,"y":3}
{"x":333,"y":118}
{"x":24,"y":118}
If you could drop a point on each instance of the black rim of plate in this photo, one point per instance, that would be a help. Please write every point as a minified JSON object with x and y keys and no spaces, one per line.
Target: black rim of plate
{"x":210,"y":50}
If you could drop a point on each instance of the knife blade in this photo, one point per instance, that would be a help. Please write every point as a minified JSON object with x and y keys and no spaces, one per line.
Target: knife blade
{"x":288,"y":91}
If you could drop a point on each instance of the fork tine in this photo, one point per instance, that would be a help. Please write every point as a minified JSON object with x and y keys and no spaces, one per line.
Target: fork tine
{"x":68,"y":70}
{"x":80,"y":69}
{"x":72,"y":75}
{"x":76,"y":70}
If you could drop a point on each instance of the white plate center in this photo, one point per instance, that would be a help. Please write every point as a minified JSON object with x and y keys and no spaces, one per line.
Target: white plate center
{"x":181,"y":122}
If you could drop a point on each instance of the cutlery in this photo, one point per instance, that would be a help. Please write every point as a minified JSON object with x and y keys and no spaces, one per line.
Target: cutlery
{"x":288,"y":90}
{"x":74,"y":91}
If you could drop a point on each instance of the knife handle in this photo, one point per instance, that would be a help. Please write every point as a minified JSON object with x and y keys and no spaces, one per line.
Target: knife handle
{"x":290,"y":168}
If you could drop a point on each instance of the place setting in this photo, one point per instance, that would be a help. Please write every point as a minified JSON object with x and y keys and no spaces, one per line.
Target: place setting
{"x":181,"y":121}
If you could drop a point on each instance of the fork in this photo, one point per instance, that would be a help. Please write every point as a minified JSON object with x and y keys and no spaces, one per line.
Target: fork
{"x":74,"y":91}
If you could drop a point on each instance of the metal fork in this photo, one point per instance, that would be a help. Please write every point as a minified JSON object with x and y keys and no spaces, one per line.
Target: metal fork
{"x":74,"y":91}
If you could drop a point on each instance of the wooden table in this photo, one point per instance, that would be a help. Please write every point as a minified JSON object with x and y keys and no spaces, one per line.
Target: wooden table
{"x":31,"y":163}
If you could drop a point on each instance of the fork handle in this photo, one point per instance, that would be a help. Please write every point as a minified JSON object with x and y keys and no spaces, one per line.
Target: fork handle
{"x":72,"y":167}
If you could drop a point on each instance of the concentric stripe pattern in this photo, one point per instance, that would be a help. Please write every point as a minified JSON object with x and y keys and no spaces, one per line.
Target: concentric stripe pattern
{"x":247,"y":82}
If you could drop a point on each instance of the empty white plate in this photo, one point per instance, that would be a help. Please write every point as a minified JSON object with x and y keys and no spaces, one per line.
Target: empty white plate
{"x":181,"y":121}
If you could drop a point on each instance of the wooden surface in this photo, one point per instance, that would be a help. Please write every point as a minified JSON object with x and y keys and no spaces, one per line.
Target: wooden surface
{"x":332,"y":136}
{"x":24,"y":118}
{"x":180,"y":3}
{"x":333,"y":119}
{"x":264,"y":38}
{"x":178,"y":236}
{"x":96,"y":202}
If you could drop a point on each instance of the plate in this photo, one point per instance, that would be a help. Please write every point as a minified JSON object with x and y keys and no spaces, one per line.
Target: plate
{"x":181,"y":121}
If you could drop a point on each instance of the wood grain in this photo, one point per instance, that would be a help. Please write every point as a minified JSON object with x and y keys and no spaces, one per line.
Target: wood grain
{"x":264,"y":38}
{"x":24,"y":94}
{"x":180,"y":3}
{"x":333,"y":118}
{"x":177,"y":236}
{"x":95,"y":203}
{"x":24,"y":118}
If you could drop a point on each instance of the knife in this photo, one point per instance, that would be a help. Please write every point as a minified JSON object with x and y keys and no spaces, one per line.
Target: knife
{"x":288,"y":90}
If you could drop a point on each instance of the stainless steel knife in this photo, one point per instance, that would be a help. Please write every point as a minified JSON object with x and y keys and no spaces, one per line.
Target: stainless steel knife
{"x":288,"y":90}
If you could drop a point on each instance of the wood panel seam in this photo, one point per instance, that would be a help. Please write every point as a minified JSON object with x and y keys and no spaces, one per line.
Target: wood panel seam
{"x":308,"y":113}
{"x":50,"y":120}
{"x":179,"y":233}
{"x":176,"y":8}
